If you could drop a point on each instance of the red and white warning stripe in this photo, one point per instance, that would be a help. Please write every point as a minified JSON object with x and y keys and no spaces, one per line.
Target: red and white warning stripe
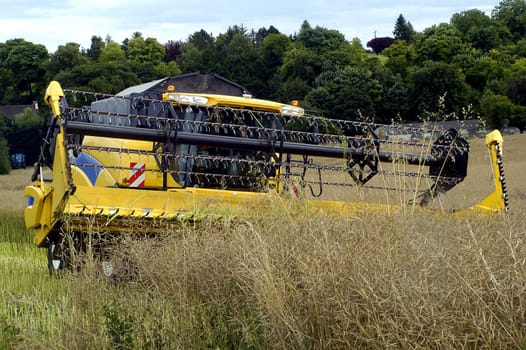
{"x":294,"y":189}
{"x":137,"y":174}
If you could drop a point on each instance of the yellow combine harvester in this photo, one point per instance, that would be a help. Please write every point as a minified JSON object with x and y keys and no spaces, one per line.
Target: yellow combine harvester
{"x":194,"y":146}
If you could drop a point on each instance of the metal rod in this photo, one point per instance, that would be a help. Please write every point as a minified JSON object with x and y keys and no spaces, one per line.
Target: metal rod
{"x":159,"y":135}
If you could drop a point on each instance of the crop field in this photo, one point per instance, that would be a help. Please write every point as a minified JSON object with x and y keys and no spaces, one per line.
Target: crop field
{"x":404,"y":280}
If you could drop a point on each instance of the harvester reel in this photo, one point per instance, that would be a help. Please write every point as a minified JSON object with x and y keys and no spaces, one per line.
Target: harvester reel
{"x":364,"y":166}
{"x":217,"y":147}
{"x":454,"y":149}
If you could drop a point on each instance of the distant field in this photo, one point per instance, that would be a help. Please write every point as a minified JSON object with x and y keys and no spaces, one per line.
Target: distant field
{"x":297,"y":281}
{"x":12,"y":187}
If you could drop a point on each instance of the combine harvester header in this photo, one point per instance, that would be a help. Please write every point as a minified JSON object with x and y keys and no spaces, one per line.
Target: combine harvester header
{"x":194,"y":146}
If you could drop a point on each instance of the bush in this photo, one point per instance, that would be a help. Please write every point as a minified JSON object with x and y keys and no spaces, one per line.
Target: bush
{"x":5,"y":166}
{"x":25,"y":135}
{"x":496,"y":109}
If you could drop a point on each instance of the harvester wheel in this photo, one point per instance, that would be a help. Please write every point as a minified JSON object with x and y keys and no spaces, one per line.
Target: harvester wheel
{"x":52,"y":264}
{"x":63,"y":252}
{"x":57,"y":257}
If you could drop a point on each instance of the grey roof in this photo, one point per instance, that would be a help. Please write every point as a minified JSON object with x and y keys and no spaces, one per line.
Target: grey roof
{"x":11,"y":110}
{"x":140,"y":88}
{"x":191,"y":83}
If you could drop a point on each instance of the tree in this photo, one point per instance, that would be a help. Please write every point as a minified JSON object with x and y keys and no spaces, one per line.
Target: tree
{"x":7,"y":82}
{"x":25,"y":134}
{"x":192,"y":59}
{"x":520,"y":48}
{"x":519,"y":119}
{"x":147,"y":50}
{"x":202,"y":40}
{"x":300,"y":63}
{"x":440,"y":43}
{"x":402,"y":57}
{"x":315,"y":51}
{"x":319,"y":39}
{"x":259,"y":36}
{"x":100,"y":77}
{"x":112,"y":53}
{"x":512,"y":13}
{"x":293,"y":88}
{"x":199,"y":53}
{"x":434,"y":81}
{"x":515,"y":83}
{"x":460,"y":62}
{"x":238,"y":58}
{"x":348,"y":93}
{"x":145,"y":56}
{"x":173,"y":49}
{"x":271,"y":54}
{"x":393,"y":102}
{"x":5,"y":162}
{"x":515,"y":89}
{"x":479,"y":30}
{"x":357,"y":54}
{"x":26,"y":62}
{"x":484,"y":38}
{"x":330,"y":46}
{"x":467,"y":20}
{"x":5,"y":166}
{"x":4,"y":125}
{"x":273,"y":50}
{"x":497,"y":109}
{"x":66,"y":57}
{"x":478,"y":70}
{"x":380,"y":44}
{"x":403,"y":30}
{"x":95,"y":48}
{"x":167,"y":69}
{"x":228,"y":36}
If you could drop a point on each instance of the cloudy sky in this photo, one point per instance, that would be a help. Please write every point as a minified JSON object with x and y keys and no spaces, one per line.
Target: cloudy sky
{"x":56,"y":22}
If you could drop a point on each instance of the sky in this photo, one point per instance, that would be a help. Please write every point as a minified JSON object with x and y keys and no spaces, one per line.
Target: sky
{"x":57,"y":22}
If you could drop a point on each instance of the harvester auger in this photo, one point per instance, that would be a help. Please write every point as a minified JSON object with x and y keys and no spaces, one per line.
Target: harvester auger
{"x":194,"y":146}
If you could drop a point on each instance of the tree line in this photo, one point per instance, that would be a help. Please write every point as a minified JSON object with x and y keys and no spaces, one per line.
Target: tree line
{"x":472,"y":67}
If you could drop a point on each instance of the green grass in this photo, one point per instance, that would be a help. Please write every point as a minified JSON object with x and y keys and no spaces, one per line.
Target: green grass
{"x":27,"y":293}
{"x":81,"y":311}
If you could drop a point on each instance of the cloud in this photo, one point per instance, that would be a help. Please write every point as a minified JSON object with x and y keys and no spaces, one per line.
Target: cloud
{"x":54,"y":23}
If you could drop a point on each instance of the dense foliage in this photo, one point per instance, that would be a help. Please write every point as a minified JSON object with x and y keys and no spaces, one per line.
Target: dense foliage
{"x":4,"y":148}
{"x":474,"y":66}
{"x":23,"y":130}
{"x":4,"y":157}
